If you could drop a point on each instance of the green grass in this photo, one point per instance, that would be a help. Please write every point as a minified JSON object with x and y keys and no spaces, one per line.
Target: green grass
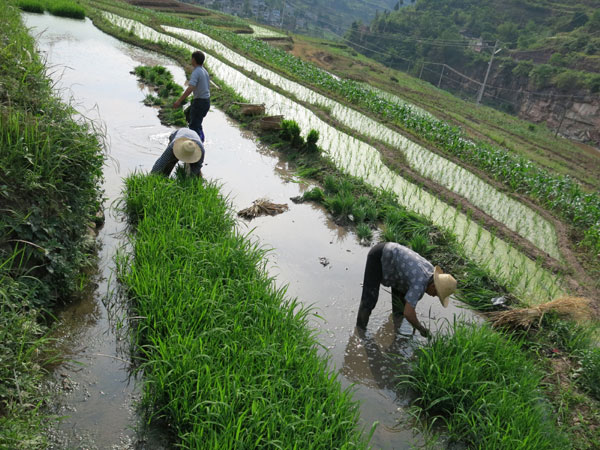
{"x":167,"y":92}
{"x":485,"y":389}
{"x":228,"y":360}
{"x":50,"y":170}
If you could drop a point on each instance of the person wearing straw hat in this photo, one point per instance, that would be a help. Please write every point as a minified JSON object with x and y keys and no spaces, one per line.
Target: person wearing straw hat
{"x":185,"y":146}
{"x":409,"y":275}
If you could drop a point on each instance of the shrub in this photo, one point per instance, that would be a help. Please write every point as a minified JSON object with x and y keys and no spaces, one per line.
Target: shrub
{"x":523,"y":68}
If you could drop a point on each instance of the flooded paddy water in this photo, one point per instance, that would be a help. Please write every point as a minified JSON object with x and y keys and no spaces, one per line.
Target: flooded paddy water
{"x":96,"y":392}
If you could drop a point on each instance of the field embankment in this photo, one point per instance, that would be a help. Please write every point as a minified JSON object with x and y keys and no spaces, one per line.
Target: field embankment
{"x":50,"y":169}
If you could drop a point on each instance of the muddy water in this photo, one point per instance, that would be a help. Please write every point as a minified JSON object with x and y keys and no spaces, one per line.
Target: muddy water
{"x":321,"y":263}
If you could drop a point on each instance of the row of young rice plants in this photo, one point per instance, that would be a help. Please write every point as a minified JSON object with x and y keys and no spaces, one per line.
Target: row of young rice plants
{"x":556,"y":192}
{"x":167,"y":92}
{"x":50,"y":170}
{"x":62,"y":8}
{"x":228,"y":360}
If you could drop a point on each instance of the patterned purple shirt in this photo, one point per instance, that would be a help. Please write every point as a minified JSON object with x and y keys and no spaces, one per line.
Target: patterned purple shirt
{"x":406,"y":271}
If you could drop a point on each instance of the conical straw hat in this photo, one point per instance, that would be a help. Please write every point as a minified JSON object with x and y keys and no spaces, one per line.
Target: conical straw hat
{"x":186,"y":150}
{"x":445,"y":285}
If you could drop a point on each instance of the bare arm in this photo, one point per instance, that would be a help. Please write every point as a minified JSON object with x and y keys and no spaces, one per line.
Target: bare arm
{"x":411,"y":316}
{"x":185,"y":95}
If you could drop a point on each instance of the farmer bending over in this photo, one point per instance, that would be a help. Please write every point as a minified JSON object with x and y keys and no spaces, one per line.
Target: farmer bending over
{"x":410,"y":276}
{"x":200,"y":85}
{"x":185,"y":146}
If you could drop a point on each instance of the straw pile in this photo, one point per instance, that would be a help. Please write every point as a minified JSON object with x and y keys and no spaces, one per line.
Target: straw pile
{"x":262,"y":207}
{"x":574,"y":308}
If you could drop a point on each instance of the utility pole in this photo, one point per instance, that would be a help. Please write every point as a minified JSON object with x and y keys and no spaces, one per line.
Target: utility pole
{"x":487,"y":72}
{"x":282,"y":12}
{"x":421,"y":72}
{"x":441,"y":74}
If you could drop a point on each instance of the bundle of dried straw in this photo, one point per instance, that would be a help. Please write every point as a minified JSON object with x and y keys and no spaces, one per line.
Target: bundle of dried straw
{"x":574,"y":308}
{"x":262,"y":206}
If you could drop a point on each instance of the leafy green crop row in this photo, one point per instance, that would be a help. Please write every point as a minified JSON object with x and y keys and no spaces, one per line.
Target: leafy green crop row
{"x":228,"y":361}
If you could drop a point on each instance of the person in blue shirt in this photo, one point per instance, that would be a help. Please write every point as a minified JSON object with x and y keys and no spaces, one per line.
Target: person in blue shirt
{"x":184,"y":145}
{"x":410,"y":277}
{"x":199,"y":84}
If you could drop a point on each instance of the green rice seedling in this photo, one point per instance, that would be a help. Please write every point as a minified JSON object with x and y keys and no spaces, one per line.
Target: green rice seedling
{"x":485,"y":389}
{"x":65,"y":8}
{"x":228,"y":360}
{"x":420,"y":244}
{"x":331,"y":184}
{"x":364,"y":232}
{"x":311,"y":141}
{"x":340,"y":204}
{"x":315,"y":194}
{"x":31,"y":6}
{"x":359,"y":213}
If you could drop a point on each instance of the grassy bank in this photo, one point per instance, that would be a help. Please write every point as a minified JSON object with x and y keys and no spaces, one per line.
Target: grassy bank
{"x":229,"y":361}
{"x":50,"y":168}
{"x":62,"y":8}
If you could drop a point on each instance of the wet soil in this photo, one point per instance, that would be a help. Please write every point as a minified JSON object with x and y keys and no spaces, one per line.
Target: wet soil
{"x":98,"y":395}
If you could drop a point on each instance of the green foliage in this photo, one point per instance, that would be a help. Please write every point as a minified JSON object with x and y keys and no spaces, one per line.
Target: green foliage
{"x":167,"y":93}
{"x":568,"y":79}
{"x":311,"y":141}
{"x":486,"y":390}
{"x":217,"y":337}
{"x":315,"y":194}
{"x":589,"y":377}
{"x":541,"y":75}
{"x":31,"y":6}
{"x":50,"y":171}
{"x":65,"y":8}
{"x":290,"y":131}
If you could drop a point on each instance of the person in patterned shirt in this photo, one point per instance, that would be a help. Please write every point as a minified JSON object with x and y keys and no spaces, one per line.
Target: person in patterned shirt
{"x":410,"y":277}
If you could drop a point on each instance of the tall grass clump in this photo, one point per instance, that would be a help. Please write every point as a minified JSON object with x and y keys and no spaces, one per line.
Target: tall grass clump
{"x":50,"y":170}
{"x":485,"y":389}
{"x":228,"y":360}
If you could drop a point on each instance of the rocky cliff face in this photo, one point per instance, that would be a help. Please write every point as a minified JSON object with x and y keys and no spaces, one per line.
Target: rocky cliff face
{"x":576,"y":117}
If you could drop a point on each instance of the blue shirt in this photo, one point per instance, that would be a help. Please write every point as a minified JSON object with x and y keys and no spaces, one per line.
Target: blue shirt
{"x":200,"y":80}
{"x":406,"y":271}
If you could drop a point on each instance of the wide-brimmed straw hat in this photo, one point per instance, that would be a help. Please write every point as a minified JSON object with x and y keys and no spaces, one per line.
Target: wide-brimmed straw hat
{"x":186,"y":150}
{"x":445,"y":285}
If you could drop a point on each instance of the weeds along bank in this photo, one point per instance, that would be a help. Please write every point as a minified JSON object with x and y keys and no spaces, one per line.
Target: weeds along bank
{"x":228,"y":361}
{"x":50,"y":170}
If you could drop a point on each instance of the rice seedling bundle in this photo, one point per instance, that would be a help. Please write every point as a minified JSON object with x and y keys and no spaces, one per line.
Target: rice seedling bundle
{"x":228,"y":360}
{"x":574,"y":308}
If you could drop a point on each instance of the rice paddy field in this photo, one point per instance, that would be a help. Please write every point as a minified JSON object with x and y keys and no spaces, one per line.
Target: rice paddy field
{"x":238,"y":333}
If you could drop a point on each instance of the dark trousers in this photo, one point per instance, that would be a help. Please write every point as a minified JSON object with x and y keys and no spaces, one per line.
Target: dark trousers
{"x":198,"y":110}
{"x":372,"y":281}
